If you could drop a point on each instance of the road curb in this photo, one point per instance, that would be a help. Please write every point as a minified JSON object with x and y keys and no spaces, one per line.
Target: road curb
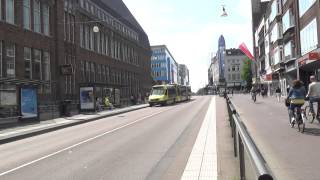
{"x":11,"y":138}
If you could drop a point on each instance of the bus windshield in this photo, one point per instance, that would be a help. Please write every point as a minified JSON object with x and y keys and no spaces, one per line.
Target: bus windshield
{"x":158,"y":91}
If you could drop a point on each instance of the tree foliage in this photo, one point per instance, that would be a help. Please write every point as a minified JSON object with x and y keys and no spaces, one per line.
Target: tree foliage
{"x":246,"y":73}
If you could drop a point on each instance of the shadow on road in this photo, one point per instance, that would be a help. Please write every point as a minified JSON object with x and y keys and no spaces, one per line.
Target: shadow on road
{"x":312,"y":131}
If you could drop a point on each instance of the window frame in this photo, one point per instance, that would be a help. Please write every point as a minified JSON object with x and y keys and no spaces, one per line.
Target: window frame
{"x":8,"y":57}
{"x":27,"y":59}
{"x":27,"y":11}
{"x":12,"y":14}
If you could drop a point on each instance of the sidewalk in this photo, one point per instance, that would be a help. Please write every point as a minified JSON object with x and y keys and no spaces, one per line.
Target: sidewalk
{"x":23,"y":131}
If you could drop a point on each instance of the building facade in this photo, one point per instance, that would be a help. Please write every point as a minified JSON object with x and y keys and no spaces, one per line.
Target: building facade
{"x":234,"y":59}
{"x":183,"y":75}
{"x":71,"y":53}
{"x":164,"y":68}
{"x":287,"y":42}
{"x":220,"y":56}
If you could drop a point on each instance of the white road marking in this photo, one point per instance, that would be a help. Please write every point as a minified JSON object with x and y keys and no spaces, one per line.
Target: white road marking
{"x":80,"y":143}
{"x":202,"y":163}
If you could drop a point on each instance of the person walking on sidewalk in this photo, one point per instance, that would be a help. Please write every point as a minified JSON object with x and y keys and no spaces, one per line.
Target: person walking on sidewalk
{"x":314,"y":94}
{"x":278,"y":93}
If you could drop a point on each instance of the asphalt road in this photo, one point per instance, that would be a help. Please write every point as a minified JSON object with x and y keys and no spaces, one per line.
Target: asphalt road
{"x":151,"y":143}
{"x":290,"y":154}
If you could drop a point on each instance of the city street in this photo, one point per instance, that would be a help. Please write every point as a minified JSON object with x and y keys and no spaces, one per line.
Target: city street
{"x":290,"y":154}
{"x":150,"y":143}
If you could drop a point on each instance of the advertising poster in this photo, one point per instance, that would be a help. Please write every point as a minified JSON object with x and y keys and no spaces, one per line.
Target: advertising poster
{"x":29,"y":104}
{"x":86,"y":98}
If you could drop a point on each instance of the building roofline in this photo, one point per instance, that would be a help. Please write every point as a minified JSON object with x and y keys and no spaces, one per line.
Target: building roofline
{"x":159,"y":46}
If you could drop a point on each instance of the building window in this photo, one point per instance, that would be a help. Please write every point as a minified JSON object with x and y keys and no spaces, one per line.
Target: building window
{"x":91,"y":39}
{"x":46,"y":66}
{"x":8,"y":95}
{"x":287,"y":20}
{"x":86,"y":36}
{"x":36,"y":16}
{"x":102,"y":42}
{"x":304,"y":5}
{"x":27,"y":63}
{"x":93,"y":72}
{"x":309,"y":37}
{"x":81,"y":32}
{"x":82,"y":68}
{"x":275,"y":33}
{"x":103,"y":72}
{"x":26,"y":14}
{"x":288,"y":51}
{"x":36,"y":64}
{"x":98,"y":73}
{"x":107,"y":45}
{"x":88,"y":71}
{"x":46,"y":17}
{"x":277,"y":55}
{"x":107,"y":74}
{"x":10,"y":59}
{"x":10,"y":11}
{"x":97,"y":35}
{"x":71,"y":28}
{"x":273,"y":10}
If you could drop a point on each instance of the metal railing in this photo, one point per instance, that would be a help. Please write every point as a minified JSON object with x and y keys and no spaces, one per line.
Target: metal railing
{"x":252,"y":164}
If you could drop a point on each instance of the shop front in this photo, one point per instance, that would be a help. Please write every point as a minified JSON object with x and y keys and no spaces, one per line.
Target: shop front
{"x":309,"y":64}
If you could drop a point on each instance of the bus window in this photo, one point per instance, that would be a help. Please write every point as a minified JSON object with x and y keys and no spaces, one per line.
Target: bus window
{"x":158,"y":91}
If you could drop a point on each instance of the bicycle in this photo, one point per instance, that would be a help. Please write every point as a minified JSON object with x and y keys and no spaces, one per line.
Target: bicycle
{"x":299,"y":117}
{"x":311,"y":115}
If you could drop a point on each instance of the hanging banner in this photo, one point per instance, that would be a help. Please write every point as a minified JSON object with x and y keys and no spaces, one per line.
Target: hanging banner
{"x":86,"y":98}
{"x":246,"y":51}
{"x":29,"y":104}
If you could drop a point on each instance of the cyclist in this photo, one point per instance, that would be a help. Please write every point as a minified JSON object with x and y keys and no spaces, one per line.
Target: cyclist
{"x":254,"y":91}
{"x":314,"y":94}
{"x":296,"y":98}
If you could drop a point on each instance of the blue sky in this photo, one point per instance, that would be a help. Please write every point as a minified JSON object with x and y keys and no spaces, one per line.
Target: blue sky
{"x":191,"y":29}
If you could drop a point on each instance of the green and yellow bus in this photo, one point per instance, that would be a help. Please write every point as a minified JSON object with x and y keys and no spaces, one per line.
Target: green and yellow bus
{"x":163,"y":95}
{"x":169,"y":94}
{"x":184,"y":93}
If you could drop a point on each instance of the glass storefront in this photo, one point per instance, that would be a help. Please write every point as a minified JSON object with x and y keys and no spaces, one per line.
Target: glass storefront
{"x":8,"y":100}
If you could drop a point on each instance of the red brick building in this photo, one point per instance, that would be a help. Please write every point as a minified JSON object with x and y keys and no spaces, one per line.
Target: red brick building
{"x":55,"y":47}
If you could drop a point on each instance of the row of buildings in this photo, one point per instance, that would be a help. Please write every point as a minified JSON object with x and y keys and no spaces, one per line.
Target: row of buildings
{"x":59,"y":56}
{"x":62,"y":56}
{"x":165,"y":69}
{"x":286,"y":41}
{"x":225,"y":67}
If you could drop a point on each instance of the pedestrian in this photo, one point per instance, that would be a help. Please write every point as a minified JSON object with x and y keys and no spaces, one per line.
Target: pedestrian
{"x":278,"y":93}
{"x":232,"y":91}
{"x":98,"y":104}
{"x":132,"y":99}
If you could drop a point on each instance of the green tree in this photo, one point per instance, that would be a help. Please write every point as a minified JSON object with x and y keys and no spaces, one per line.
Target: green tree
{"x":246,"y":73}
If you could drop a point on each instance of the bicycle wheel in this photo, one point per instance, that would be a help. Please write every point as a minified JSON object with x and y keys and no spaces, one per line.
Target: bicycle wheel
{"x":303,"y":121}
{"x":309,"y":115}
